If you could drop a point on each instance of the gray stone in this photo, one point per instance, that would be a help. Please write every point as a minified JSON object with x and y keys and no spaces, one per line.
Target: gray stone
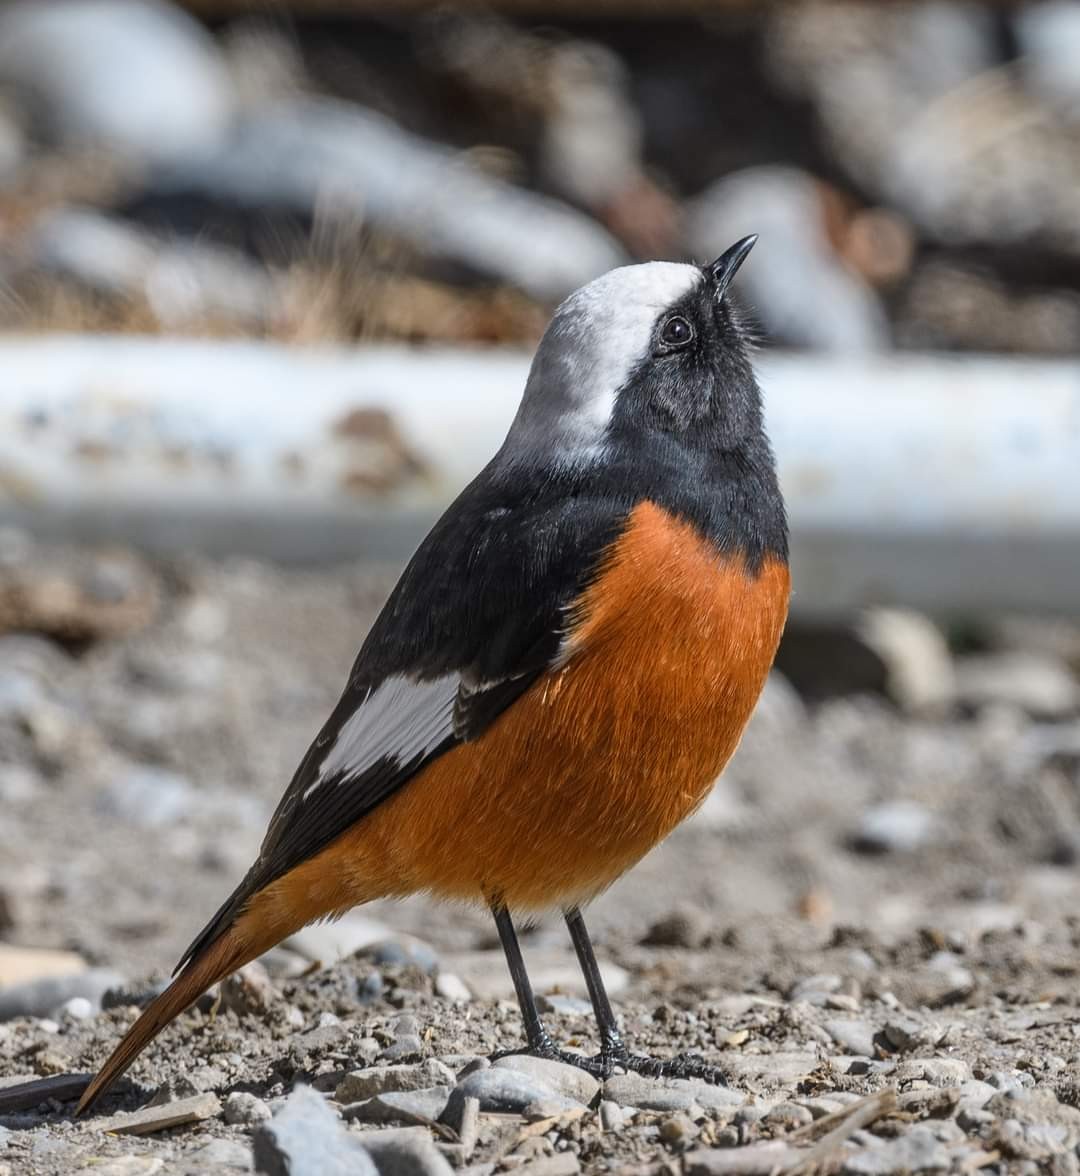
{"x":906,"y":1033}
{"x":219,"y":1153}
{"x":759,"y":1159}
{"x":400,"y":950}
{"x":899,"y":826}
{"x":406,"y":1151}
{"x":501,"y":1089}
{"x":400,"y":1106}
{"x":857,"y":1037}
{"x":686,"y":926}
{"x":1049,"y":36}
{"x":917,"y":1150}
{"x":79,"y":1008}
{"x":781,"y":1068}
{"x":806,"y":295}
{"x":38,"y":998}
{"x":937,"y":1071}
{"x":451,"y":987}
{"x":611,"y":1116}
{"x":1035,"y":682}
{"x":405,"y":1045}
{"x":815,"y":989}
{"x":305,"y":1138}
{"x":561,"y":1077}
{"x":549,"y":1108}
{"x":244,"y":1109}
{"x":20,"y":695}
{"x":151,"y":798}
{"x":974,"y":1094}
{"x":249,"y":991}
{"x":669,"y":1094}
{"x":142,"y":79}
{"x":325,"y":943}
{"x":1034,"y":1141}
{"x":567,"y":1006}
{"x":919,"y":674}
{"x":408,"y":186}
{"x":373,"y":1080}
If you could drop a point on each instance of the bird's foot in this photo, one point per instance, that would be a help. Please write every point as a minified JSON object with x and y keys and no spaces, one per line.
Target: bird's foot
{"x":687,"y":1065}
{"x":549,"y":1051}
{"x":614,"y":1056}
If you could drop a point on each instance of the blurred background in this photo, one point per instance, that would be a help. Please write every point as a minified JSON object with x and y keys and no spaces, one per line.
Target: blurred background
{"x":270,"y":275}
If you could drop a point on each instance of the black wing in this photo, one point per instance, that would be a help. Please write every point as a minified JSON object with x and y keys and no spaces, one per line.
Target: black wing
{"x":476,"y":617}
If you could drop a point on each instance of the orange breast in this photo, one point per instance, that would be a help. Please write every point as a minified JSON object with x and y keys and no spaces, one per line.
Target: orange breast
{"x":602,"y":757}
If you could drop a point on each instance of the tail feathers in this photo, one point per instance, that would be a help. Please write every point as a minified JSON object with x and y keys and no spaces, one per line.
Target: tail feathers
{"x":231,"y":950}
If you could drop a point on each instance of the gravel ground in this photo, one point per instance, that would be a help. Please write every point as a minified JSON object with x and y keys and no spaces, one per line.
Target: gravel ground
{"x":869,"y":925}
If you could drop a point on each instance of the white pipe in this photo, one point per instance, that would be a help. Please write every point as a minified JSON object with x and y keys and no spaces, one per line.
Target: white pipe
{"x":944,"y":483}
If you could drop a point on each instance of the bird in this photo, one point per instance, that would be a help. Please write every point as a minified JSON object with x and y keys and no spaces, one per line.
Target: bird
{"x":564,"y":667}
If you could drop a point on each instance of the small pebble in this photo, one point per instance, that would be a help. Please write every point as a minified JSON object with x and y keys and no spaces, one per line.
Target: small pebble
{"x":244,"y":1109}
{"x":451,"y":987}
{"x":561,"y":1077}
{"x":611,"y":1115}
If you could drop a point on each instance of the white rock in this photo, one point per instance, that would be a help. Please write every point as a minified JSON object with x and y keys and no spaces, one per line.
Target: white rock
{"x":795,"y":282}
{"x":1037,"y":683}
{"x":919,"y":674}
{"x":451,"y":987}
{"x":138,"y":76}
{"x":354,"y":165}
{"x":327,"y":942}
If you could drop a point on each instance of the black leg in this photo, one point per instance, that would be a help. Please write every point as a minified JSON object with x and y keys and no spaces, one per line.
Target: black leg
{"x":613,"y":1051}
{"x":539,"y":1041}
{"x":535,"y":1033}
{"x":605,"y":1017}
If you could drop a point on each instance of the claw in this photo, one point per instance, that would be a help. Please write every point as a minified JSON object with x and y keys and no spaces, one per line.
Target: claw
{"x":615,"y":1056}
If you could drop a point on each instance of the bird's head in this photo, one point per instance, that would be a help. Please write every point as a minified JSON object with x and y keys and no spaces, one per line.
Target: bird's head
{"x":654,"y":349}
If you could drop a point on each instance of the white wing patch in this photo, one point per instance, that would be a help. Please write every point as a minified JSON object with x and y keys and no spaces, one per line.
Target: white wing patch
{"x":400,"y":720}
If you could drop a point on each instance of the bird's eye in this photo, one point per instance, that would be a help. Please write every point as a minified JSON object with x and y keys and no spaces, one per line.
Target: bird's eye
{"x":676,"y":332}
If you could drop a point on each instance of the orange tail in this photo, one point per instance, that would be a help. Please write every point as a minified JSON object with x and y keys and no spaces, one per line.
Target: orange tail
{"x":237,"y":945}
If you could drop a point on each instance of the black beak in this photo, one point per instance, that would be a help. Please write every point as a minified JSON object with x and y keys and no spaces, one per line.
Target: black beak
{"x":726,"y":266}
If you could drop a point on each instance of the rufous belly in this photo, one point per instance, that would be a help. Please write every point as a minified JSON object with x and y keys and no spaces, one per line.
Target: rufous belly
{"x":601,"y":758}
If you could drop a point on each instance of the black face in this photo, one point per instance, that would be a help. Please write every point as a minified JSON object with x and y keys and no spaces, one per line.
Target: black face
{"x":696,"y":385}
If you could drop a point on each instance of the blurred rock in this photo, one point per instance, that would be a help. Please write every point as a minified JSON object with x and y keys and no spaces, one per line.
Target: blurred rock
{"x":181,"y":281}
{"x":900,"y":826}
{"x":38,"y":998}
{"x":550,"y":970}
{"x":404,"y":1151}
{"x":947,"y":305}
{"x":326,"y":943}
{"x":451,"y":987}
{"x":249,"y":991}
{"x":913,"y":107}
{"x":147,"y":797}
{"x":686,"y":926}
{"x":918,"y":666}
{"x":306,"y":1138}
{"x":797,"y":285}
{"x":19,"y":965}
{"x":1049,"y":38}
{"x":1039,"y":684}
{"x":245,"y":1109}
{"x":356,"y":166}
{"x":137,"y":76}
{"x":12,"y":146}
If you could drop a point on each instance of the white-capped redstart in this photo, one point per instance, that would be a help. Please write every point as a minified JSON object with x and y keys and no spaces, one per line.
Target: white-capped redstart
{"x":565,"y":665}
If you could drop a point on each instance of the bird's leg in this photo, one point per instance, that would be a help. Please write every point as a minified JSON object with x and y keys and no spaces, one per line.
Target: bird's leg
{"x":535,"y":1033}
{"x":613,"y":1051}
{"x":539,"y":1043}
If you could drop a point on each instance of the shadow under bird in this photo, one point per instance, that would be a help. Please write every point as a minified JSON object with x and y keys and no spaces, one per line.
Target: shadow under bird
{"x":564,"y":667}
